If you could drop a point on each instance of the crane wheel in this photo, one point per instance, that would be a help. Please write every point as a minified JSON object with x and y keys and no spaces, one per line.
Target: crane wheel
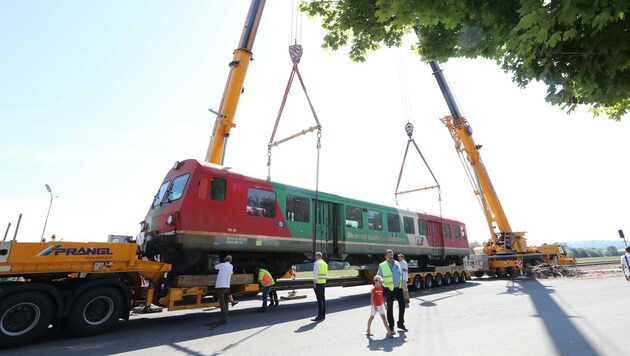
{"x":463,"y":278}
{"x":428,"y":281}
{"x":96,"y":310}
{"x":455,"y":277}
{"x":24,"y":317}
{"x":479,"y":274}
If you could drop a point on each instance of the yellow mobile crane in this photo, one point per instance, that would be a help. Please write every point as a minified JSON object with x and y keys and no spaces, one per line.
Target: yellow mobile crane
{"x":506,"y":249}
{"x":234,"y":85}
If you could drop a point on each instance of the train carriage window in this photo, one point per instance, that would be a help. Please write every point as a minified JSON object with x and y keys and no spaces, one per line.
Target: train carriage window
{"x":354,"y":217}
{"x":446,"y":230}
{"x":177,"y":189}
{"x":422,"y":227}
{"x":261,"y":203}
{"x":298,"y":208}
{"x":375,"y":220}
{"x":409,"y":226}
{"x":393,"y":223}
{"x":464,"y":233}
{"x":160,"y":194}
{"x":456,"y":231}
{"x":217,"y":189}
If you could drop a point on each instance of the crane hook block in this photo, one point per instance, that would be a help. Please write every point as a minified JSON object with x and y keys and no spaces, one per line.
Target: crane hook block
{"x":409,"y":129}
{"x":295,"y":51}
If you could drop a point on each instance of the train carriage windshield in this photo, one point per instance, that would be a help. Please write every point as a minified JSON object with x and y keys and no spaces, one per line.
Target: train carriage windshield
{"x":177,"y":189}
{"x":160,"y":194}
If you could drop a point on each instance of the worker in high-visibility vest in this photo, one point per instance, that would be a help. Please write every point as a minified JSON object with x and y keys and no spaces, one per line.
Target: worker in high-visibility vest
{"x":320,"y":273}
{"x":392,"y":289}
{"x":266,"y":282}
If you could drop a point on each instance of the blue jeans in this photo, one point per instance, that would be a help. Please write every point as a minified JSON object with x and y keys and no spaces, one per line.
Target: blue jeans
{"x":265,"y":295}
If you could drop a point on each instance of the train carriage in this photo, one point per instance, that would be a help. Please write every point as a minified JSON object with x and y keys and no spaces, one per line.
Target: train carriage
{"x":204,"y":210}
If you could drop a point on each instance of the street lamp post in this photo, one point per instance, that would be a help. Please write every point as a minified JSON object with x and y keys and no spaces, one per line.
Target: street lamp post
{"x":49,"y":206}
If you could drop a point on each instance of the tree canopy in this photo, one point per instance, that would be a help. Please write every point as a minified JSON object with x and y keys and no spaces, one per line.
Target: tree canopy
{"x":579,"y":48}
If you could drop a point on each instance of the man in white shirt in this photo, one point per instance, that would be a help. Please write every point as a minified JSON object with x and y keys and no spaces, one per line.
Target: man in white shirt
{"x":625,"y":264}
{"x":405,"y":268}
{"x":222,"y":286}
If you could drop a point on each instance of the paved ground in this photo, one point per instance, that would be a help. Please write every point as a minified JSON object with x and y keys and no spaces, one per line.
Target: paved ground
{"x":481,"y":317}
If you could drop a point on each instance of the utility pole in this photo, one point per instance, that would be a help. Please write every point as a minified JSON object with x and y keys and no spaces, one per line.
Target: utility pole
{"x":49,"y":206}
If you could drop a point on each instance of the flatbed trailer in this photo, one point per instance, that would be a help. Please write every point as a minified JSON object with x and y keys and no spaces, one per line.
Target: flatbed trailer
{"x":88,"y":287}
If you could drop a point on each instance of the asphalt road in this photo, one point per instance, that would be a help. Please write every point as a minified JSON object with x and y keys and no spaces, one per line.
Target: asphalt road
{"x":481,"y":317}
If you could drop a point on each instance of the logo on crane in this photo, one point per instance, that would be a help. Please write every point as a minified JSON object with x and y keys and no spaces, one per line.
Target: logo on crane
{"x":72,"y":251}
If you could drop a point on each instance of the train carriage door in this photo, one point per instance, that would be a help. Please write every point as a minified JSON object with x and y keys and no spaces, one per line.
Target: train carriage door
{"x":327,"y":228}
{"x":435,"y":236}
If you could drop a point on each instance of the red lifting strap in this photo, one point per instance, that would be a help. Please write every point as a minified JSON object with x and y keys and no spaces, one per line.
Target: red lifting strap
{"x":294,"y":71}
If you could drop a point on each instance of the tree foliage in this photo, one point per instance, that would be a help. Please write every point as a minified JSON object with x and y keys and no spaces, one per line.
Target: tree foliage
{"x":579,"y":48}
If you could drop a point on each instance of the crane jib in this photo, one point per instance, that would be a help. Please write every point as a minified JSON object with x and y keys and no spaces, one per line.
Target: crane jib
{"x":251,"y":24}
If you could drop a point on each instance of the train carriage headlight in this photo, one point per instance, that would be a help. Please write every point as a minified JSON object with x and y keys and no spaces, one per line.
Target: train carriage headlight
{"x":169,"y":220}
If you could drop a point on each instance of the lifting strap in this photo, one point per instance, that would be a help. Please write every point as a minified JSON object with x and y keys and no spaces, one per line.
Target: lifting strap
{"x":295,"y":51}
{"x":409,"y":130}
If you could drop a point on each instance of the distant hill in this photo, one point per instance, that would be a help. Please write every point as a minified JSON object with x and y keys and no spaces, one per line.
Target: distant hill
{"x":596,"y":244}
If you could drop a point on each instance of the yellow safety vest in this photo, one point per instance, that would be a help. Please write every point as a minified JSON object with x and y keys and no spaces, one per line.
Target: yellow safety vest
{"x":322,"y":271}
{"x":388,"y":276}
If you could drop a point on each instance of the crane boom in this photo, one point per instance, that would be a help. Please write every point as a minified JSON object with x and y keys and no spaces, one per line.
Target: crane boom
{"x":234,"y":85}
{"x":504,"y":240}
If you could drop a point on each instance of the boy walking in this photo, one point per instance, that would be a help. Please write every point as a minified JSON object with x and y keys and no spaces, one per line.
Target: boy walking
{"x":376,"y":306}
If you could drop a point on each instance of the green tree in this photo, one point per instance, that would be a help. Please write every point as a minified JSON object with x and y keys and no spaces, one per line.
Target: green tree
{"x":579,"y":49}
{"x":612,"y":251}
{"x":472,"y":246}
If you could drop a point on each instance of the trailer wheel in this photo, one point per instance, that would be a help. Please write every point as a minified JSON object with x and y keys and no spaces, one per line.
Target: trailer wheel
{"x":24,"y":317}
{"x":417,"y":282}
{"x":96,"y":310}
{"x":464,"y":278}
{"x":428,"y":281}
{"x":438,"y":280}
{"x":447,"y":279}
{"x":455,"y":277}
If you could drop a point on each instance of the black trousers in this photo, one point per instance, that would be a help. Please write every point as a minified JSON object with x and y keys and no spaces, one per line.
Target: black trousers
{"x":390,"y":295}
{"x":321,"y":300}
{"x":224,"y":301}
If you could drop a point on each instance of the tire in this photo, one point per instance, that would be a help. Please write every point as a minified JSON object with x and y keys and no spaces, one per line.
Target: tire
{"x":24,"y":317}
{"x":447,"y":279}
{"x":428,"y":281}
{"x":95,"y":311}
{"x":463,"y":278}
{"x":417,"y":282}
{"x":438,"y":280}
{"x":455,"y":277}
{"x":479,"y":274}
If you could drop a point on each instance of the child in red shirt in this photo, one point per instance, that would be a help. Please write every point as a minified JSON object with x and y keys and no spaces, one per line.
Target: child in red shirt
{"x":376,"y":305}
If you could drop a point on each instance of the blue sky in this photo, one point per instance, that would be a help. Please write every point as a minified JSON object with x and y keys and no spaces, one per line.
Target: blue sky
{"x":99,"y":98}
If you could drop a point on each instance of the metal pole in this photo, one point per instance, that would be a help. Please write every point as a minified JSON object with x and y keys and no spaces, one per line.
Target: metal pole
{"x":17,"y":227}
{"x":49,"y":206}
{"x":6,"y":232}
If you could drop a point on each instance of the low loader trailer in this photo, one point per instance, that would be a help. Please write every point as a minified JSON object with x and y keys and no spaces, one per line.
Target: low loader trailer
{"x":87,"y":288}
